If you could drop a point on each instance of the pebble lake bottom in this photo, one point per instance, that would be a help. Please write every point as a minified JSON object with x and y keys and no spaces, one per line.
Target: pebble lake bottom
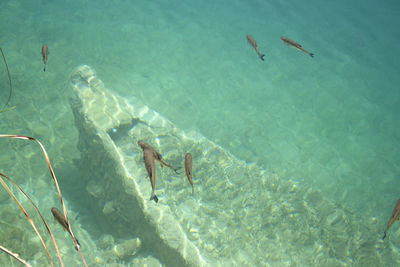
{"x":322,"y":134}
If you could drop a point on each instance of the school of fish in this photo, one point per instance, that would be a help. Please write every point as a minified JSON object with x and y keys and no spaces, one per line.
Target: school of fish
{"x":150,"y":155}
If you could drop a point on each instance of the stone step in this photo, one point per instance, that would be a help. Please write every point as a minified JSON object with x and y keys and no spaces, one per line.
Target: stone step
{"x":239,"y":214}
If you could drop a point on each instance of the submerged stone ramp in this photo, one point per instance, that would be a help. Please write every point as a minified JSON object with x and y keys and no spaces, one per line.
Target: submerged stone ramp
{"x":239,"y":215}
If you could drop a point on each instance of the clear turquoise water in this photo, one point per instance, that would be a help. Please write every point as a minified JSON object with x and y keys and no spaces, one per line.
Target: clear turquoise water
{"x":329,"y":122}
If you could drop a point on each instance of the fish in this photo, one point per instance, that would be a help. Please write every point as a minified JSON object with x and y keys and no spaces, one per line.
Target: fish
{"x":295,"y":45}
{"x":149,"y":163}
{"x":45,"y":55}
{"x":157,"y":155}
{"x":253,"y":43}
{"x":61,"y":220}
{"x":188,"y":169}
{"x":395,"y":216}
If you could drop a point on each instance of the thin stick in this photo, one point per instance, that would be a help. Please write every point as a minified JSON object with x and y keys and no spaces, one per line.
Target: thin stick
{"x":44,"y":221}
{"x":16,"y":256}
{"x":9,"y":79}
{"x":27,"y":216}
{"x":55,"y":181}
{"x":7,"y":109}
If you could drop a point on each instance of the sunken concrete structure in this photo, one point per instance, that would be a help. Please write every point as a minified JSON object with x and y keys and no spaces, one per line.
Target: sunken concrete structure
{"x":239,"y":215}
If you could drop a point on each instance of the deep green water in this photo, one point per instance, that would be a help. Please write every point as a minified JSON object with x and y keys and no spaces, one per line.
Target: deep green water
{"x":330,"y":122}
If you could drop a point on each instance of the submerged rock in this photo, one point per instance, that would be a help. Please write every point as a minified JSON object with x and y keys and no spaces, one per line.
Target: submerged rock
{"x":94,"y":189}
{"x":128,"y":248}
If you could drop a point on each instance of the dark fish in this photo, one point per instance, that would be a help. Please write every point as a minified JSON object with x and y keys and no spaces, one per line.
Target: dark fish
{"x":188,"y":169}
{"x":253,"y":43}
{"x":395,"y":216}
{"x":295,"y":45}
{"x":45,"y":55}
{"x":61,"y":220}
{"x":157,"y":155}
{"x":149,"y":162}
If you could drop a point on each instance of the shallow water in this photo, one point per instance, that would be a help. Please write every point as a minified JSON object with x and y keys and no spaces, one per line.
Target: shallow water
{"x":329,"y":123}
